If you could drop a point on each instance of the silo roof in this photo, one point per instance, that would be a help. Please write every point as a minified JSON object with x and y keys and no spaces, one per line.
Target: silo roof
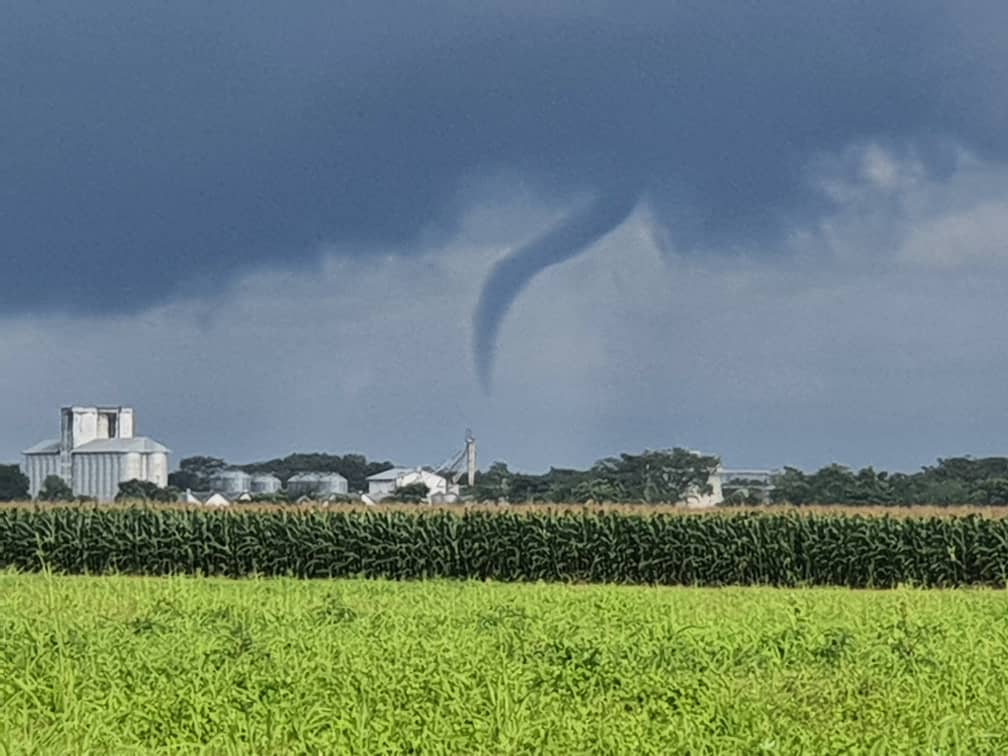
{"x":121,"y":445}
{"x":392,"y":474}
{"x":45,"y":447}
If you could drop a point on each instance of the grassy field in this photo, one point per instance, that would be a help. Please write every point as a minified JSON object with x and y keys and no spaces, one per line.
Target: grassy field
{"x":131,"y":665}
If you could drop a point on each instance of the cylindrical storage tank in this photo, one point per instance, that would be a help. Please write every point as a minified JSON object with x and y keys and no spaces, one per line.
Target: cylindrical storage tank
{"x":302,"y":484}
{"x":157,"y":468}
{"x":230,"y":482}
{"x":132,"y":469}
{"x":332,"y":483}
{"x":265,"y":484}
{"x":316,"y":484}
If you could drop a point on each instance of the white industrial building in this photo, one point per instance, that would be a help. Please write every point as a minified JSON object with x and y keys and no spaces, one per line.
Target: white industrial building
{"x":384,"y":484}
{"x":96,"y":451}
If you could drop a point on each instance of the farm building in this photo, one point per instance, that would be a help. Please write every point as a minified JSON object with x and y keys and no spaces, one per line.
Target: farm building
{"x":216,"y":500}
{"x":316,"y":484}
{"x":384,"y":484}
{"x":96,"y":451}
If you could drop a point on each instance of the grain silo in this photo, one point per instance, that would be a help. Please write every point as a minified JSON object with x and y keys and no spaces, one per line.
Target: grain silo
{"x":264,"y":483}
{"x":230,"y":482}
{"x":96,"y":451}
{"x":316,"y":484}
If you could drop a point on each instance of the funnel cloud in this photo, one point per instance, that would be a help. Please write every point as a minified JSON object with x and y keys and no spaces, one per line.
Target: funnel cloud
{"x":512,"y":274}
{"x":155,"y":157}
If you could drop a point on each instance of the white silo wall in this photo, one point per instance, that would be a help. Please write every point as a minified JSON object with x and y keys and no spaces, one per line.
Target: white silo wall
{"x":317,"y":484}
{"x":99,"y":475}
{"x":230,"y":482}
{"x":332,"y":484}
{"x":265,"y":484}
{"x":157,"y":468}
{"x":133,"y":468}
{"x":38,"y":467}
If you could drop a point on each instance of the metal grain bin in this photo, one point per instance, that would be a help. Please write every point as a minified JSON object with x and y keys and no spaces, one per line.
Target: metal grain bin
{"x":316,"y":484}
{"x":230,"y":482}
{"x":264,"y":483}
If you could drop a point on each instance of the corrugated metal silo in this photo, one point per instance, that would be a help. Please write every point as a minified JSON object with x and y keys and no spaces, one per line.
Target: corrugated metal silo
{"x":230,"y":482}
{"x":264,"y":483}
{"x":317,"y":484}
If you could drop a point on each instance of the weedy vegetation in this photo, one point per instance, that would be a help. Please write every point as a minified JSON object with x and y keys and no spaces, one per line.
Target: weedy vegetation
{"x":189,"y":665}
{"x":488,"y":630}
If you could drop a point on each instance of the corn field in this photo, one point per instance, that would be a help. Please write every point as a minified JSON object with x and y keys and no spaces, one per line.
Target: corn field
{"x":564,"y":546}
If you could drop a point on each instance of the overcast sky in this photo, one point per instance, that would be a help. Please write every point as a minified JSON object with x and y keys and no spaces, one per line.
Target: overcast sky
{"x":772,"y":231}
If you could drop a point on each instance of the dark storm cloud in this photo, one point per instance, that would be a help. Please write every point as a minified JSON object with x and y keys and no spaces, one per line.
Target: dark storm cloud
{"x":148,"y":148}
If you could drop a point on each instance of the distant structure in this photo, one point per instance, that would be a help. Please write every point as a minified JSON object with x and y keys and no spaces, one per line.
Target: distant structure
{"x":757,"y":484}
{"x":470,"y":450}
{"x":696,"y":500}
{"x":317,"y":485}
{"x":230,"y":483}
{"x":96,"y":451}
{"x":216,"y":500}
{"x":264,"y":483}
{"x":453,"y":468}
{"x":384,"y":484}
{"x":442,"y":481}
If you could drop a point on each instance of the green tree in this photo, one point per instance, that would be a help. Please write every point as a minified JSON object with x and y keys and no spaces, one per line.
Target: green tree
{"x":414,"y":493}
{"x":493,"y":484}
{"x":145,"y":490}
{"x":994,"y":491}
{"x":562,"y":484}
{"x":195,"y":473}
{"x":791,"y":486}
{"x":13,"y":483}
{"x":529,"y":489}
{"x":186,"y":479}
{"x":54,"y":488}
{"x":662,"y":476}
{"x":597,"y":490}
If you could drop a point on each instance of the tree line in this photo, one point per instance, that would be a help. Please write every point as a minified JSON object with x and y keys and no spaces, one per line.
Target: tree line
{"x":955,"y":480}
{"x":653,"y":476}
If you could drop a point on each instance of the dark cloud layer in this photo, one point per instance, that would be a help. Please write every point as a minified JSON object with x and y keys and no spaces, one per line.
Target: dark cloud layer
{"x":152,"y":147}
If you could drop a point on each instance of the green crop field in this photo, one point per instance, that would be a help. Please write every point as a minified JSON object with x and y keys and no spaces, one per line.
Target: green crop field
{"x":183,"y":664}
{"x":585,"y":546}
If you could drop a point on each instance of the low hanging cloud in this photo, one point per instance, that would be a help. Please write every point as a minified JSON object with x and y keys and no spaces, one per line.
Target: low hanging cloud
{"x":157,"y":151}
